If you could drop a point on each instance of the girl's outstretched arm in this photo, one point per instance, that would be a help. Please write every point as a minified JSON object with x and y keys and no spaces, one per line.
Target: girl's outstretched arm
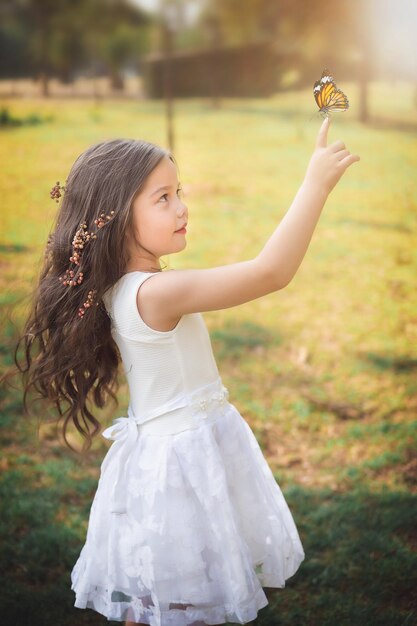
{"x":169,"y":295}
{"x":287,"y":246}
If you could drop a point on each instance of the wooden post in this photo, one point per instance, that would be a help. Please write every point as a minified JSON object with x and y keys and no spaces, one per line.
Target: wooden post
{"x":364,"y":72}
{"x":167,"y":44}
{"x":215,"y":40}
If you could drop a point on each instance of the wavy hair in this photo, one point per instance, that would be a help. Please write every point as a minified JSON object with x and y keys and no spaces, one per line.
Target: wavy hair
{"x":69,"y":359}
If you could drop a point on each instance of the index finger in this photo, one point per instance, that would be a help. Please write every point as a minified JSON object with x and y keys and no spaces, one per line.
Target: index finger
{"x":321,"y":141}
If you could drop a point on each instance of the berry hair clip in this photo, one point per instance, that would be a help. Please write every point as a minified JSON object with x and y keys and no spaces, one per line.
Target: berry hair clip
{"x":89,"y":302}
{"x":55,"y":192}
{"x":80,"y":239}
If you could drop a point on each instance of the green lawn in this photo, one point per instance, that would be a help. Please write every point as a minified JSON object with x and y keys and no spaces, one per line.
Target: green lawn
{"x":324,"y":371}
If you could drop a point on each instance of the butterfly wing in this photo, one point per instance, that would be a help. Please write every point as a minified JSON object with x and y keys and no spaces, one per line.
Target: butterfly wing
{"x":317,"y":93}
{"x":321,"y":88}
{"x":328,"y":97}
{"x":325,"y":94}
{"x":338,"y":101}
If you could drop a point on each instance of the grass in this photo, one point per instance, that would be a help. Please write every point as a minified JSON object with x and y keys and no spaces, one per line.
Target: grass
{"x":324,"y":371}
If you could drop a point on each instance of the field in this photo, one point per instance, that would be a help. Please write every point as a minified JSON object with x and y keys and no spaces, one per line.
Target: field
{"x":324,"y":371}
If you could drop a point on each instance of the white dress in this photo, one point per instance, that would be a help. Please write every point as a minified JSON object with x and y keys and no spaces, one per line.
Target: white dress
{"x":188,"y":523}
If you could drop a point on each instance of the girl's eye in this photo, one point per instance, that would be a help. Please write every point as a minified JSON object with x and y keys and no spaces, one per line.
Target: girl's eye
{"x":179,"y":191}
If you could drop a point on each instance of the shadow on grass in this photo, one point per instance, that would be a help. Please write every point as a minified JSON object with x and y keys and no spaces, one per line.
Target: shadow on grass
{"x":393,"y":363}
{"x":234,"y":340}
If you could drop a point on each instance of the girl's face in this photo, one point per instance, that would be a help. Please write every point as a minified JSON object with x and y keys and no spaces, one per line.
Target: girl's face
{"x":158,"y":212}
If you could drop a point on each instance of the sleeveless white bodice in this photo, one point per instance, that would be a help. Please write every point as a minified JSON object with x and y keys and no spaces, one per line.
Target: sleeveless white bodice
{"x":165,"y":370}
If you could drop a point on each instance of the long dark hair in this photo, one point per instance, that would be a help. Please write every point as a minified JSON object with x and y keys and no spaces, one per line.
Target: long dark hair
{"x":69,"y":358}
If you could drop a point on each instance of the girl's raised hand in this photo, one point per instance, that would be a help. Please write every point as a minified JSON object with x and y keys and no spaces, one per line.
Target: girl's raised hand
{"x":328,"y":163}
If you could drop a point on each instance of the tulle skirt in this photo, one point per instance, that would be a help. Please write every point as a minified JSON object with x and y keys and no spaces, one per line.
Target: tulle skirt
{"x":185,"y":528}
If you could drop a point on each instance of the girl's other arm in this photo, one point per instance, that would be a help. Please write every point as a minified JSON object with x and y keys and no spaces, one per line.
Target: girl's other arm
{"x":175,"y":293}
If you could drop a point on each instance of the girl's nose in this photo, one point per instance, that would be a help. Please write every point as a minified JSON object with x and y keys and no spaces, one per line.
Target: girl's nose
{"x":182,"y":208}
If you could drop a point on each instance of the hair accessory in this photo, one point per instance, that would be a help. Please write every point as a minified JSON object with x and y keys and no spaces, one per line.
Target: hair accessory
{"x":80,"y":239}
{"x":100,"y":221}
{"x":55,"y":192}
{"x":89,"y":302}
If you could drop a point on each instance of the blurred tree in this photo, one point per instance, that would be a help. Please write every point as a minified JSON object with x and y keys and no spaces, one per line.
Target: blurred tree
{"x":115,"y":33}
{"x":237,"y":21}
{"x":170,"y":20}
{"x":212,"y":25}
{"x":125,"y":44}
{"x":58,"y":37}
{"x":13,"y":54}
{"x":328,"y":34}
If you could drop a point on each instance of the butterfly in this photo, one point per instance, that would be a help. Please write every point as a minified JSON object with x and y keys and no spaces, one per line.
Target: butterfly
{"x":328,"y":96}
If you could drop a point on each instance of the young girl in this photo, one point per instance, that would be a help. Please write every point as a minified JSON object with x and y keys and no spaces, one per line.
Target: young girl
{"x":188,"y":523}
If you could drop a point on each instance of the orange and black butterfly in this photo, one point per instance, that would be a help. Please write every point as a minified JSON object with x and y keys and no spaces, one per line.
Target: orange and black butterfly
{"x":328,"y":97}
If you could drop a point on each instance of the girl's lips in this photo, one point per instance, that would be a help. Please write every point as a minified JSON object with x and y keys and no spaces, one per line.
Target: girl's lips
{"x":182,"y":230}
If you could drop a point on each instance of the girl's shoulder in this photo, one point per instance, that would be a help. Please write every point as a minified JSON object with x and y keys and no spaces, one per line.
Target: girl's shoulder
{"x":120,"y":302}
{"x":116,"y":290}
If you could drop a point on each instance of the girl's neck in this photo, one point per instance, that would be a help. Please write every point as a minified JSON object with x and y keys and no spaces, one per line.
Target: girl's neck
{"x":147,"y":270}
{"x":150,"y":267}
